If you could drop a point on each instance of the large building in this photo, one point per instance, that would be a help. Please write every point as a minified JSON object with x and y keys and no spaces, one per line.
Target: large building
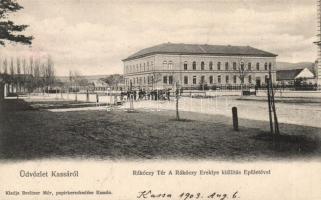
{"x":191,"y":65}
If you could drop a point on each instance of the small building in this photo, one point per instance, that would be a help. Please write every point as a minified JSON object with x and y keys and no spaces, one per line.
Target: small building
{"x":288,"y":77}
{"x":99,"y":83}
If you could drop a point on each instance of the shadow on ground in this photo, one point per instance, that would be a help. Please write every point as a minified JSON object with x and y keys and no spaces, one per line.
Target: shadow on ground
{"x":28,"y":133}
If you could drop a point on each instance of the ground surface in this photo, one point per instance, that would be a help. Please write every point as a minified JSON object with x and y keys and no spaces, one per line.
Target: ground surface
{"x":30,"y":130}
{"x":297,"y":111}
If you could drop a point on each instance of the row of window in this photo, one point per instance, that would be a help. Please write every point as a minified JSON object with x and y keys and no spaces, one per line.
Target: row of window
{"x":168,"y":65}
{"x":241,"y":67}
{"x":219,"y":79}
{"x":202,"y":80}
{"x":141,"y":80}
{"x":139,"y":67}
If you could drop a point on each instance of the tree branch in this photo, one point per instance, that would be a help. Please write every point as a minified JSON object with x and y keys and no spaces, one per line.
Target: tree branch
{"x":7,"y":30}
{"x":8,"y":6}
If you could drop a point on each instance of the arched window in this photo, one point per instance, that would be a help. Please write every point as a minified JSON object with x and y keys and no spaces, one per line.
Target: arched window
{"x":194,"y":80}
{"x":257,"y":66}
{"x":219,"y":66}
{"x":202,"y":79}
{"x":165,"y":79}
{"x":226,"y":66}
{"x":202,"y":65}
{"x":227,"y":79}
{"x":234,"y":79}
{"x":185,"y":80}
{"x":242,"y":66}
{"x":266,"y":78}
{"x":211,"y":79}
{"x":185,"y":65}
{"x":170,"y":65}
{"x":234,"y":66}
{"x":219,"y":78}
{"x":270,"y":66}
{"x":164,"y":64}
{"x":250,"y":79}
{"x":194,"y":65}
{"x":211,"y":65}
{"x":249,"y":66}
{"x":151,"y":65}
{"x":265,"y":66}
{"x":170,"y":79}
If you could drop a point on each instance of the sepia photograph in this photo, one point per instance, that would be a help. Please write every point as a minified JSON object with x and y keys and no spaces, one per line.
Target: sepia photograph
{"x":226,"y":81}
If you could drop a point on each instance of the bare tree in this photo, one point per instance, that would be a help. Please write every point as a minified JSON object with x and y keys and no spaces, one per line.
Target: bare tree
{"x":242,"y":74}
{"x":113,"y":80}
{"x":18,"y":76}
{"x":43,"y":77}
{"x":30,"y":78}
{"x":24,"y":66}
{"x":36,"y":74}
{"x":157,"y":77}
{"x":75,"y":80}
{"x":31,"y":65}
{"x":5,"y":66}
{"x":50,"y":72}
{"x":11,"y":77}
{"x":24,"y":78}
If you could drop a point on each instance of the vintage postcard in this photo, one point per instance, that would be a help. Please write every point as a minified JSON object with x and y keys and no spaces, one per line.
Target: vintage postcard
{"x":164,"y":99}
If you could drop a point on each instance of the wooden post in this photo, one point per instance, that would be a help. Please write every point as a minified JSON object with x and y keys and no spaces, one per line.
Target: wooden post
{"x":276,"y":123}
{"x":131,"y":103}
{"x":87,"y":96}
{"x":269,"y":104}
{"x":97,"y":99}
{"x":2,"y":91}
{"x":235,"y":119}
{"x":177,"y":97}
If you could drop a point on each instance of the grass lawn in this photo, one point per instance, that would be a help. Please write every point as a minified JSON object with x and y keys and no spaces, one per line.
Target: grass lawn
{"x":28,"y":131}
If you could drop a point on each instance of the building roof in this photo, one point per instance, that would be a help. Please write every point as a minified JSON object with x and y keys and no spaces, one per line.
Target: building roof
{"x":200,"y":49}
{"x":282,"y":75}
{"x":306,"y":74}
{"x":287,"y":74}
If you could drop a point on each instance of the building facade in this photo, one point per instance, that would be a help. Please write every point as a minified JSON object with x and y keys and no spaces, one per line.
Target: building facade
{"x":191,"y":65}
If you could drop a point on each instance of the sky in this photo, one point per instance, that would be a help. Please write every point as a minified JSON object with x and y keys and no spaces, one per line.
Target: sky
{"x":93,"y":36}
